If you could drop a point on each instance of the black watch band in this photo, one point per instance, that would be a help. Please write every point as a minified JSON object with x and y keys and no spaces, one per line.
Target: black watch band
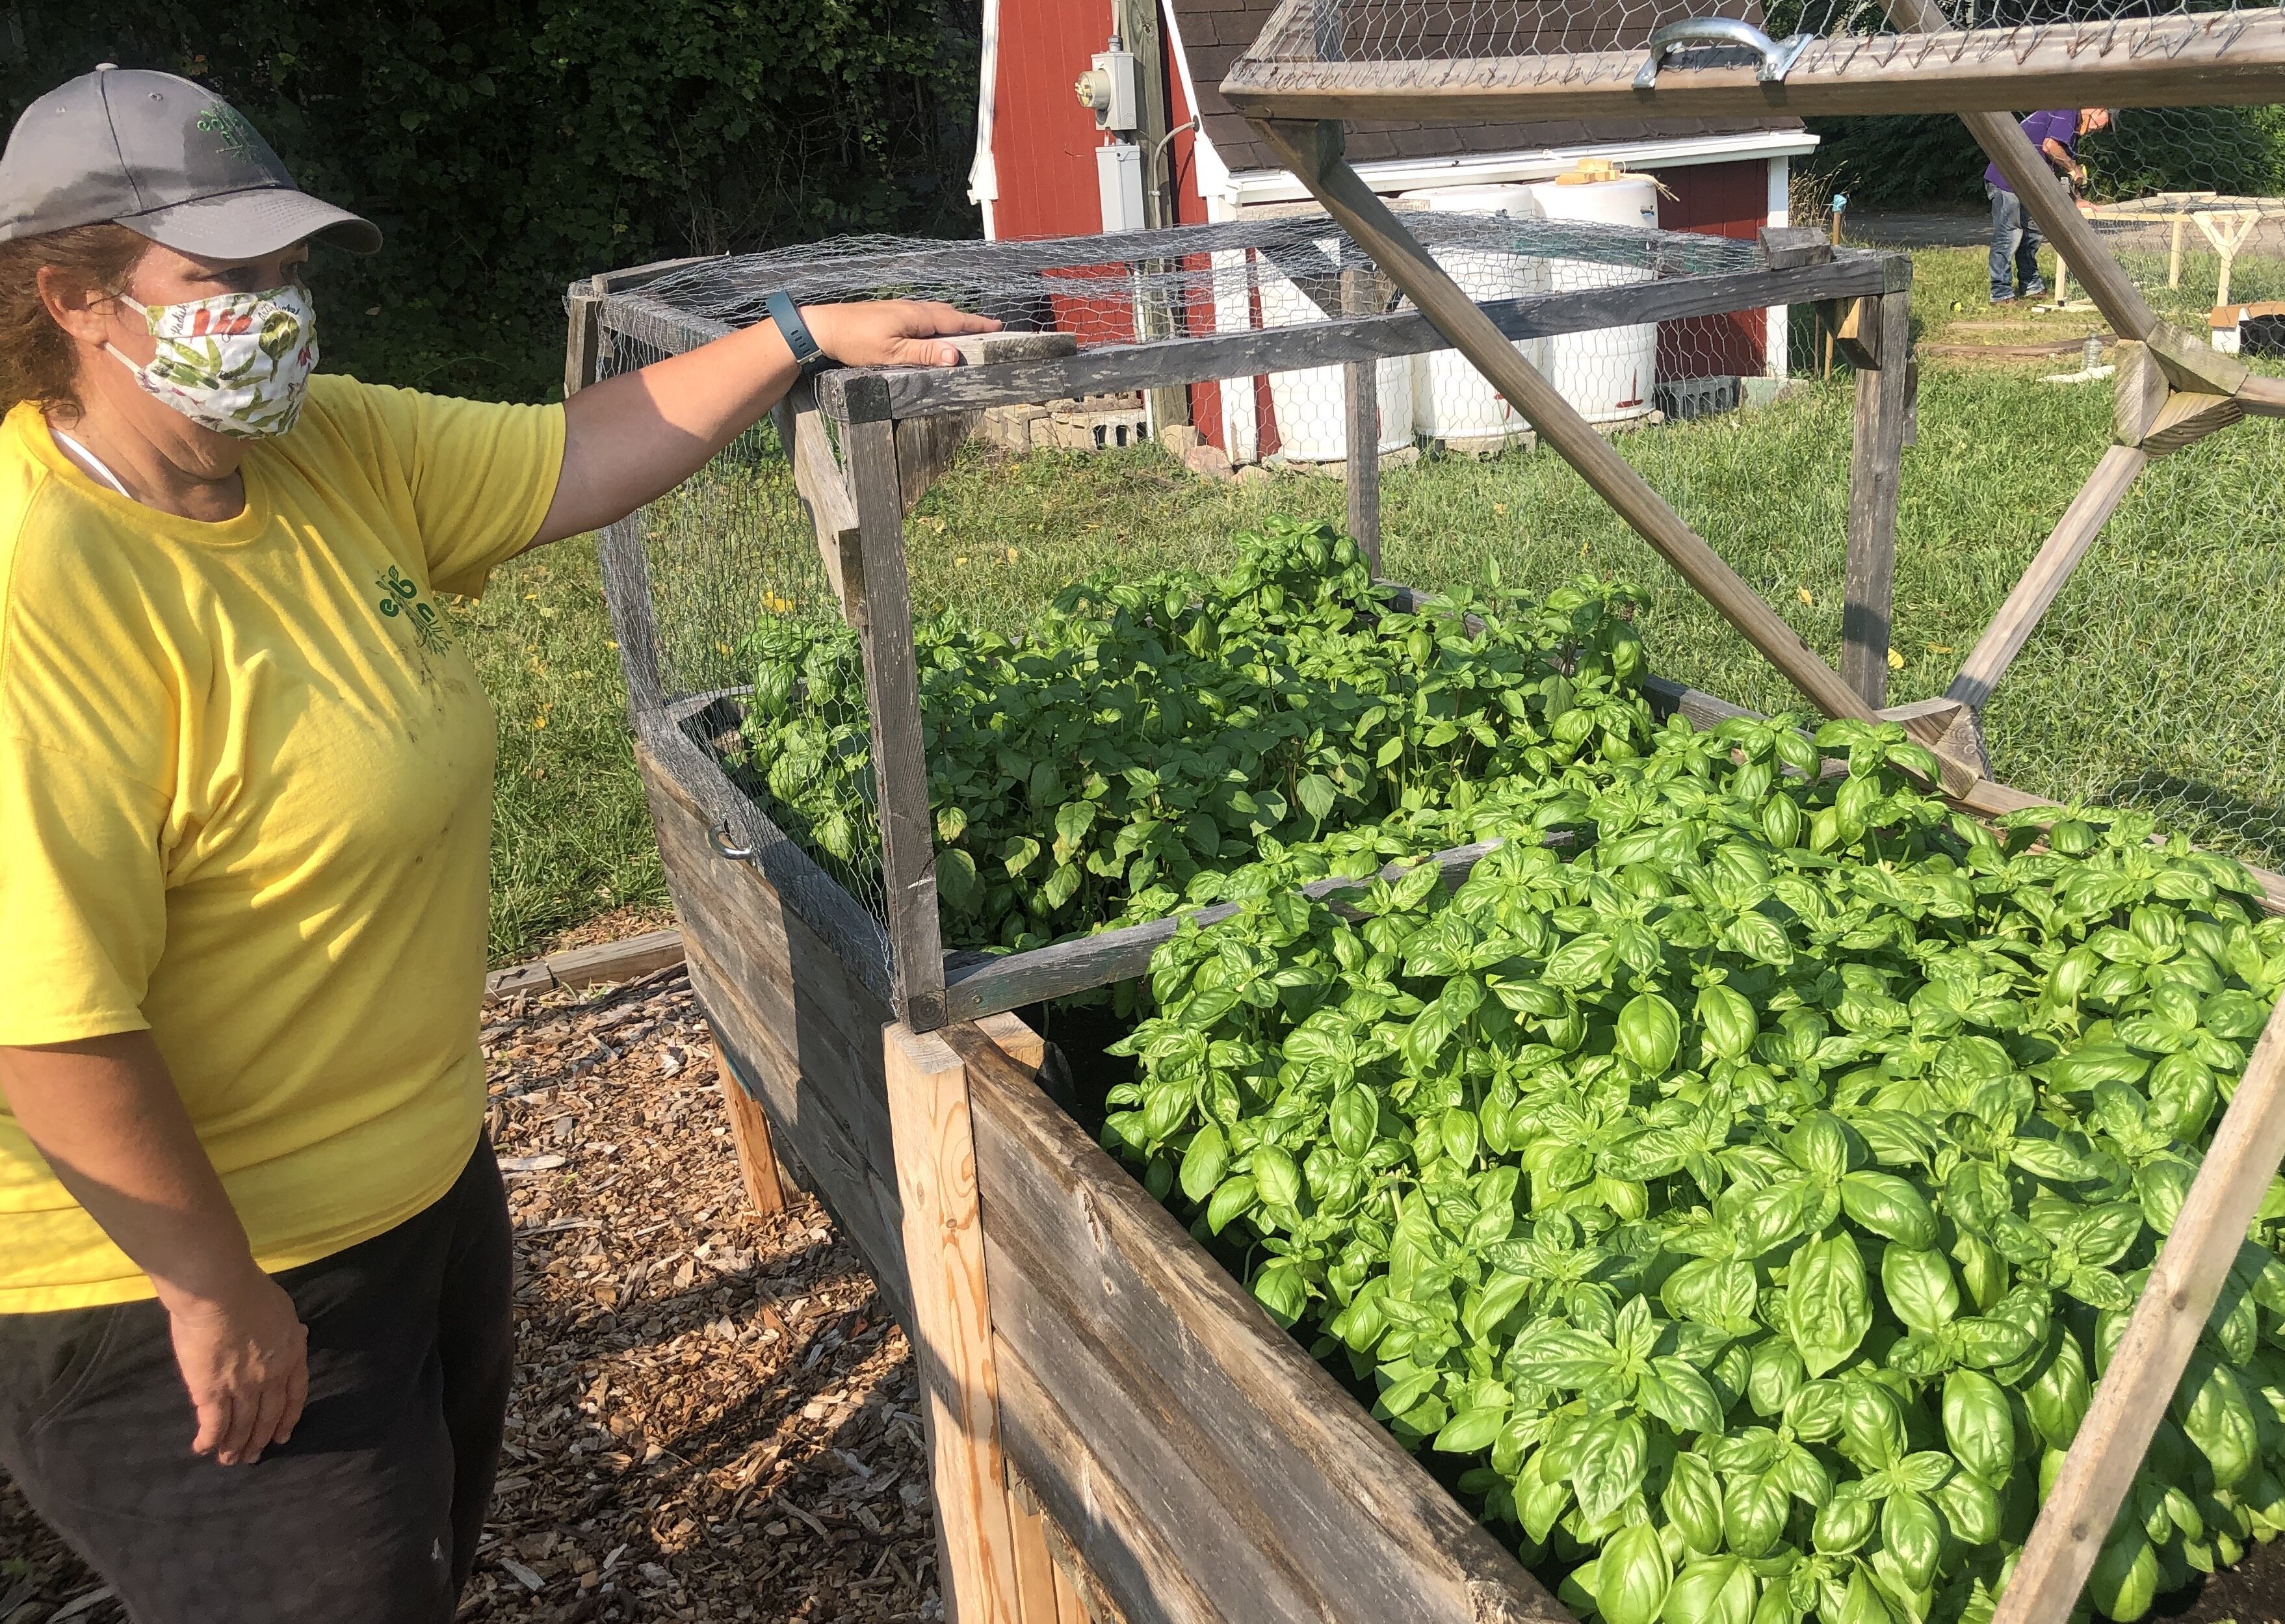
{"x":794,"y":330}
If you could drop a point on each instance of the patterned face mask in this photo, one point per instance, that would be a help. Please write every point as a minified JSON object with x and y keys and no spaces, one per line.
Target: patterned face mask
{"x":239,"y":363}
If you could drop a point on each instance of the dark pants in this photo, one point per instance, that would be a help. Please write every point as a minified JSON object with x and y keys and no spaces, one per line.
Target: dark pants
{"x":370,"y":1515}
{"x":2014,"y":245}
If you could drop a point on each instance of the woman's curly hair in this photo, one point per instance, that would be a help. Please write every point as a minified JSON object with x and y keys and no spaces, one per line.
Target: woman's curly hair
{"x":37,"y":362}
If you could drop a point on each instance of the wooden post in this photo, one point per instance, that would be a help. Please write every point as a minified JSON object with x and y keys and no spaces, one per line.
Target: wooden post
{"x":2174,"y":255}
{"x":824,"y":491}
{"x":977,"y":1549}
{"x":1361,"y":387}
{"x":750,"y":1132}
{"x":1883,"y":408}
{"x":2140,"y":1381}
{"x":2012,"y":627}
{"x":885,"y":623}
{"x":1313,"y":151}
{"x":582,"y":341}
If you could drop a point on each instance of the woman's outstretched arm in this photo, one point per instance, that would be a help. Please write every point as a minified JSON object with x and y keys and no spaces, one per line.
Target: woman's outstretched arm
{"x":637,"y":435}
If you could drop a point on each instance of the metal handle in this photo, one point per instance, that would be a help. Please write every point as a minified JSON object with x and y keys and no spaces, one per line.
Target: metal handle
{"x":719,"y":837}
{"x":1778,"y":57}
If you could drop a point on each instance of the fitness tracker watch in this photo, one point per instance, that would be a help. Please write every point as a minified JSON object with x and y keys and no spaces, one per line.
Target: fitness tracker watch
{"x":794,"y":330}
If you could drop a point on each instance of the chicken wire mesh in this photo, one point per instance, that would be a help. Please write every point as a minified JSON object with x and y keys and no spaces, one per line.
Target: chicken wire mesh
{"x":736,"y":588}
{"x":732,"y":561}
{"x":1543,"y":41}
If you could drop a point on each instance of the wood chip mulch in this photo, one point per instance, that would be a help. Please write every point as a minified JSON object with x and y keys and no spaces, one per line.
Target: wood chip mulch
{"x":713,"y":1419}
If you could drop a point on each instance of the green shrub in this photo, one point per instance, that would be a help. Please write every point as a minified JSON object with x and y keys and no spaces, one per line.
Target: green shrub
{"x":506,"y":148}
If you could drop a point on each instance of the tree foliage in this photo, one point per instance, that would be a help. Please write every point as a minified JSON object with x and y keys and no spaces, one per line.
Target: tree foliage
{"x":505,"y":147}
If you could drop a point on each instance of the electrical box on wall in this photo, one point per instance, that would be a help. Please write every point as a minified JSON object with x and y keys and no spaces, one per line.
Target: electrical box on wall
{"x":1119,"y":175}
{"x":1112,"y":89}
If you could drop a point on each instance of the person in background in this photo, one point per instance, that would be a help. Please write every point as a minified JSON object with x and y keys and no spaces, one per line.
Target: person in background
{"x":2015,"y":239}
{"x":254,"y":1259}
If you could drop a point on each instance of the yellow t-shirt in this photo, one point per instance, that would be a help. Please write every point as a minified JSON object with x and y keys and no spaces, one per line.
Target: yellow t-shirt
{"x":245,"y":801}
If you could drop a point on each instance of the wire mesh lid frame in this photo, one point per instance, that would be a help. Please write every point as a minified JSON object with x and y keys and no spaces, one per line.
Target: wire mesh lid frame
{"x":851,"y":444}
{"x":1581,"y":58}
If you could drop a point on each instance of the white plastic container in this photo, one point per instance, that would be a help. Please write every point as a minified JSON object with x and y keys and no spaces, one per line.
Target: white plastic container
{"x":1611,"y":376}
{"x":1451,"y":400}
{"x":1312,"y":406}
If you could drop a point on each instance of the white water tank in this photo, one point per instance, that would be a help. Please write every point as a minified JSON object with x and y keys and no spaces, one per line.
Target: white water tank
{"x":1451,"y":400}
{"x":1312,"y":406}
{"x":1610,"y":375}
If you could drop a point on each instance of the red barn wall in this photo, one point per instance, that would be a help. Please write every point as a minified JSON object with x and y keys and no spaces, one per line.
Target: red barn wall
{"x":1043,"y":142}
{"x":1721,"y":200}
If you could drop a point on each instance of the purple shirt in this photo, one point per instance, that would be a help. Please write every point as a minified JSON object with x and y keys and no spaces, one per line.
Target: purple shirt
{"x":2056,"y":124}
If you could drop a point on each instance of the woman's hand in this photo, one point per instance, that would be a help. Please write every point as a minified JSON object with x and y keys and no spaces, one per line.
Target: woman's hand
{"x":244,"y":1356}
{"x":107,"y":1114}
{"x":891,"y":332}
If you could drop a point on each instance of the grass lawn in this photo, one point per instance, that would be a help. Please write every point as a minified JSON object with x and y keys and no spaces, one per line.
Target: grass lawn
{"x":2157,"y":679}
{"x":571,"y":838}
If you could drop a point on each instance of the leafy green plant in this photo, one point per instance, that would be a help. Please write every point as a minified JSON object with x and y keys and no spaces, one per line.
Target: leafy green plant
{"x":1751,"y":1191}
{"x":1146,"y":738}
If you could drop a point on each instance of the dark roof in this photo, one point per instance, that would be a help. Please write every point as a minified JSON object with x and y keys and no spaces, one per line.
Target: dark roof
{"x":1216,"y":33}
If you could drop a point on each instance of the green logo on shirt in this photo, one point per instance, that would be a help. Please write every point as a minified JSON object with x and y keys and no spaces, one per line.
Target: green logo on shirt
{"x":400,"y":600}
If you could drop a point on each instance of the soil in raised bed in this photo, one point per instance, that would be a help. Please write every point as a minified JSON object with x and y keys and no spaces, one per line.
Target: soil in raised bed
{"x":713,"y":1418}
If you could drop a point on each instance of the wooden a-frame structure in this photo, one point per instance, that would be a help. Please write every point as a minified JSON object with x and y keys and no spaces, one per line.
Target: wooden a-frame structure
{"x":2172,"y":390}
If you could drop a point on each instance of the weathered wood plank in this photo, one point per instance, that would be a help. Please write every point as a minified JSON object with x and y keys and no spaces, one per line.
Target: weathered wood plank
{"x":2019,"y":616}
{"x":2187,"y":418}
{"x":823,"y":488}
{"x":1282,"y":1498}
{"x":1361,"y":386}
{"x":919,"y":391}
{"x":1875,"y":470}
{"x":951,"y":1327}
{"x":2139,"y":391}
{"x":856,"y":998}
{"x":2168,"y":62}
{"x":892,"y":694}
{"x":1117,"y":1535}
{"x":1035,"y":1569}
{"x":795,"y":1021}
{"x":1313,"y":151}
{"x":977,"y":984}
{"x":583,"y":337}
{"x":750,"y":1136}
{"x":2143,"y":1372}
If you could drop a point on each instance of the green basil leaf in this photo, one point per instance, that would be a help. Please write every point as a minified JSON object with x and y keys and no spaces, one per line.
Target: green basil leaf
{"x":1912,"y":1533}
{"x":1827,"y":1308}
{"x":1713,"y":1590}
{"x":1890,"y":1207}
{"x":1608,"y":1464}
{"x":1753,"y":1512}
{"x":1649,"y":1031}
{"x":1278,"y":1178}
{"x":1692,"y":1504}
{"x":1919,"y":1286}
{"x":1204,"y":1162}
{"x":1632,"y":1576}
{"x":1233,"y":1199}
{"x":1979,"y":1425}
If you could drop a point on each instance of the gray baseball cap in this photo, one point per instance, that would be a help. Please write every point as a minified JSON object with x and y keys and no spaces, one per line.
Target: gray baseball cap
{"x":165,"y":157}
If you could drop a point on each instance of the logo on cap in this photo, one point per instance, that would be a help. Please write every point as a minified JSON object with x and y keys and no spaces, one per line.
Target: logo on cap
{"x":239,"y":139}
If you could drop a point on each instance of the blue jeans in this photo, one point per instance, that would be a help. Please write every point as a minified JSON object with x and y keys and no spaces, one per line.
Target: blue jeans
{"x":2014,"y":245}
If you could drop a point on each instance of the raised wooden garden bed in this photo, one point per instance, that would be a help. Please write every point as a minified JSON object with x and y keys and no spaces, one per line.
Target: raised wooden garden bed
{"x":1119,"y":1429}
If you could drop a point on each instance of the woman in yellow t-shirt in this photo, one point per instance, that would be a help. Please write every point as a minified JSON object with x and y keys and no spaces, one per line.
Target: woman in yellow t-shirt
{"x":255,"y":1272}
